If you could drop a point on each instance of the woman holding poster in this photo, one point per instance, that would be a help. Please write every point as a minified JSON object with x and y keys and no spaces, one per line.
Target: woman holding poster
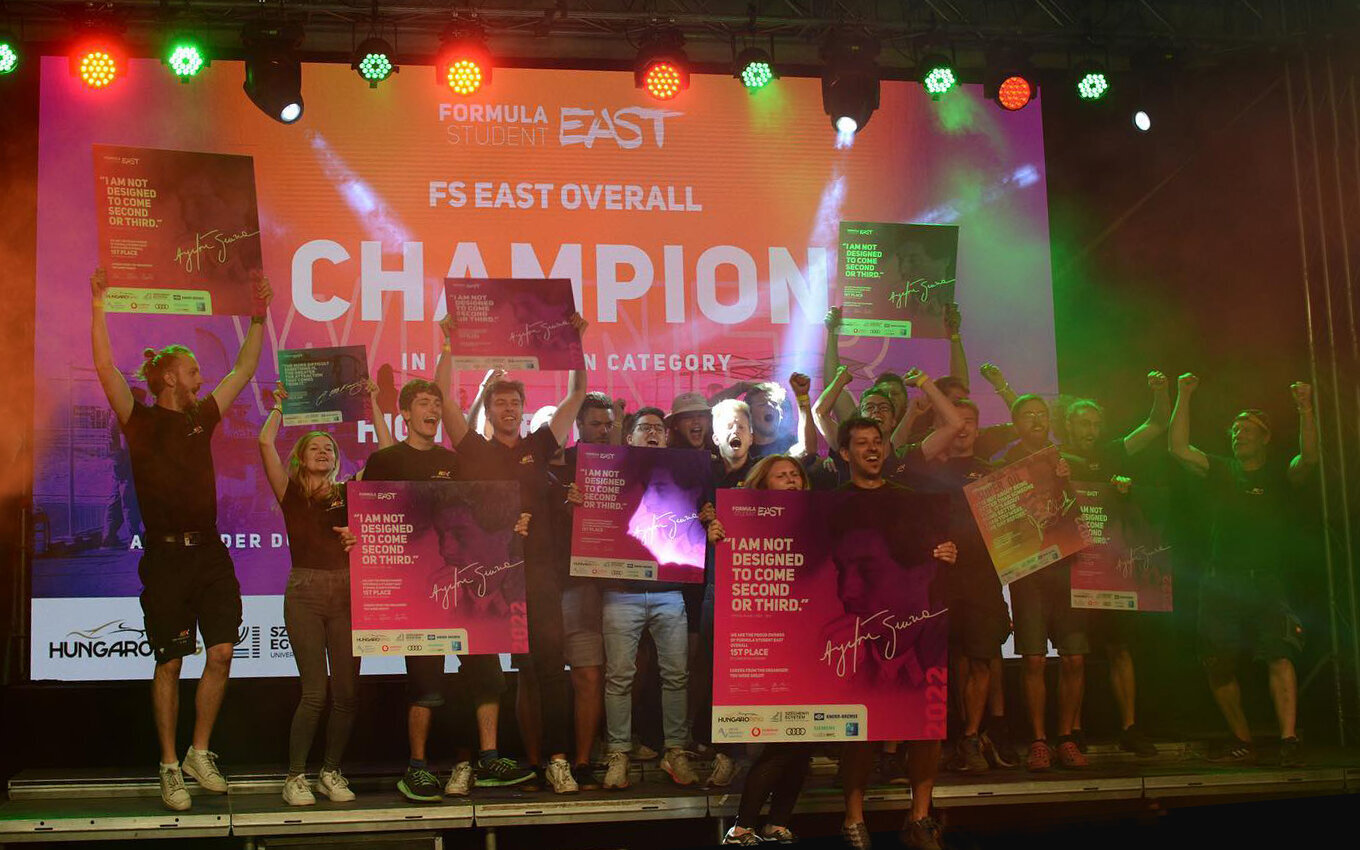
{"x":316,"y":606}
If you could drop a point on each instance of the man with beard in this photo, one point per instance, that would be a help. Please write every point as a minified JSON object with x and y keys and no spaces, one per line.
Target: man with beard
{"x":188,"y":580}
{"x":1244,"y":605}
{"x":507,"y":456}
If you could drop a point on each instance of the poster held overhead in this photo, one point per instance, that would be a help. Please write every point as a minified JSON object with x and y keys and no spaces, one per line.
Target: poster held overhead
{"x":325,"y":385}
{"x":897,"y":279}
{"x":516,"y":325}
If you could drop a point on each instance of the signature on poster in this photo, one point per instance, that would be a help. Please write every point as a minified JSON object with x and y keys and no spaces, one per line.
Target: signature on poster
{"x":880,"y":628}
{"x":192,"y":258}
{"x":919,"y":288}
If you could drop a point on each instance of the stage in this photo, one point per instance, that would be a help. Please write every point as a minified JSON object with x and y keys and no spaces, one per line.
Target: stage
{"x":46,"y":806}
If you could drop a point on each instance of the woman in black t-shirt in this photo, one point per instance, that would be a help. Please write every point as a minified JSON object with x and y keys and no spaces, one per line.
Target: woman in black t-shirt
{"x":316,"y":604}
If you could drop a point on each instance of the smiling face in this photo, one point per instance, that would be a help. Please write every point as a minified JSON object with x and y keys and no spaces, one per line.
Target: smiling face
{"x":1031,"y":422}
{"x":505,"y":411}
{"x":423,"y":417}
{"x":648,"y":430}
{"x":962,"y":444}
{"x":865,"y":454}
{"x":319,"y":455}
{"x":1084,"y":426}
{"x":880,"y":409}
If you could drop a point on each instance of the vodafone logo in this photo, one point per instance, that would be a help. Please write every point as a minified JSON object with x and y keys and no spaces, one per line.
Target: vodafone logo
{"x":755,"y":731}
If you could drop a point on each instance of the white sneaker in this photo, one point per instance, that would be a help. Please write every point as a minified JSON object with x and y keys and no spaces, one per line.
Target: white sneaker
{"x":677,"y":766}
{"x":173,"y":793}
{"x":616,"y":770}
{"x":335,"y":786}
{"x":560,"y":778}
{"x":201,"y":766}
{"x":297,"y":791}
{"x":724,"y":771}
{"x":642,"y":752}
{"x":460,"y":783}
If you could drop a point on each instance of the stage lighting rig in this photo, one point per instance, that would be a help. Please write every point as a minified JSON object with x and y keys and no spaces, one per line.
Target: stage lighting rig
{"x":662,"y":68}
{"x":9,"y":54}
{"x":755,"y":69}
{"x":937,"y":75}
{"x":464,"y":63}
{"x":185,"y":56}
{"x":849,"y":81}
{"x":1010,"y":79}
{"x":374,"y":60}
{"x":98,"y":57}
{"x":1093,"y":83}
{"x":273,"y":70}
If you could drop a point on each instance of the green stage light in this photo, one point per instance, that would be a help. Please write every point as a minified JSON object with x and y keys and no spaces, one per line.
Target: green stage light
{"x":186,"y":59}
{"x":9,"y":56}
{"x":1092,"y":85}
{"x":937,"y":76}
{"x":373,"y":60}
{"x":754,"y":69}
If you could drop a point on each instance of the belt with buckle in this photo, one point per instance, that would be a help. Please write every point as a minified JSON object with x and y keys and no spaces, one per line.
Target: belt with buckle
{"x":183,"y":538}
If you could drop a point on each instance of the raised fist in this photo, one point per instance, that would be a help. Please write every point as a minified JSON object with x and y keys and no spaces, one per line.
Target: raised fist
{"x":1187,"y":383}
{"x":1156,"y":380}
{"x":279,"y":393}
{"x":800,"y":384}
{"x":492,"y":376}
{"x":619,"y":407}
{"x":991,"y":373}
{"x":1303,"y":394}
{"x":953,"y":319}
{"x":1122,"y":483}
{"x":833,"y":319}
{"x":99,"y":281}
{"x":915,"y":377}
{"x":579,"y":322}
{"x":263,"y":295}
{"x":522,"y":525}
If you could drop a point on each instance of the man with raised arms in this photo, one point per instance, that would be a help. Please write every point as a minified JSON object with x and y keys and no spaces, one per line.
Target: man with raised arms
{"x":188,"y":580}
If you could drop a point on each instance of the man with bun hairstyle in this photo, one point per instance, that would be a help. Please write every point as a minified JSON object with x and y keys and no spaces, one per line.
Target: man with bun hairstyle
{"x":188,"y":580}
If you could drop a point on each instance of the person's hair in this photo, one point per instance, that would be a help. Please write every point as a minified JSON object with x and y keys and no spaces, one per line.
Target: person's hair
{"x":645,"y":411}
{"x":1251,"y":413}
{"x":850,"y":426}
{"x":593,"y":401}
{"x":676,"y":440}
{"x":728,"y":408}
{"x":499,"y":387}
{"x":878,"y":390}
{"x":758,"y":477}
{"x":891,"y":378}
{"x":1022,"y":400}
{"x":415,"y":387}
{"x":770,"y":388}
{"x":967,"y":403}
{"x":951,"y":382}
{"x":156,"y":363}
{"x":1080,"y":405}
{"x":295,"y":463}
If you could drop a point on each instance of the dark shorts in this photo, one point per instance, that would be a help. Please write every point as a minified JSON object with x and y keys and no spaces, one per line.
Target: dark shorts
{"x":187,"y":589}
{"x":1239,"y":615}
{"x":1043,"y":611}
{"x":1113,"y":629}
{"x":978,"y":620}
{"x":425,"y":679}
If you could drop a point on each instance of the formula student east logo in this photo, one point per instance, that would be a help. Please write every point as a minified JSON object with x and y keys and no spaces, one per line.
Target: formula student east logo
{"x":533,"y":125}
{"x":114,"y":639}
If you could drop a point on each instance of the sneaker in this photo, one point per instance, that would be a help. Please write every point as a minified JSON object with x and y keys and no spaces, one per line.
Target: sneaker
{"x":616,"y":770}
{"x":1290,"y":753}
{"x":856,"y":836}
{"x":537,"y":782}
{"x":998,"y":752}
{"x":1079,"y":738}
{"x":1069,"y":755}
{"x":201,"y":766}
{"x":1235,"y":751}
{"x":173,"y":793}
{"x":297,"y":791}
{"x":970,"y":754}
{"x":724,"y":771}
{"x":1040,"y":757}
{"x":585,"y":777}
{"x":642,"y":752}
{"x":1131,"y":740}
{"x":419,"y":785}
{"x":778,"y":835}
{"x":743,"y":836}
{"x":677,"y":767}
{"x":560,"y":778}
{"x":923,"y":834}
{"x":335,"y":786}
{"x":501,"y":773}
{"x":460,"y":782}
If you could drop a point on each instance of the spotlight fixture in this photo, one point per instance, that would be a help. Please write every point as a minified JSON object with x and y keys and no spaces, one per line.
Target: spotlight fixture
{"x":185,"y":57}
{"x":661,"y":68}
{"x":464,"y":63}
{"x":373,"y":59}
{"x":755,"y":69}
{"x":1009,"y":79}
{"x":97,"y":62}
{"x":1092,"y":83}
{"x":273,"y":70}
{"x":937,"y":75}
{"x":9,"y":54}
{"x":849,"y":81}
{"x":1142,"y":122}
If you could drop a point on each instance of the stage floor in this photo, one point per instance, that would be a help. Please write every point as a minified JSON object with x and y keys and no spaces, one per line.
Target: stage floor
{"x":45,"y":806}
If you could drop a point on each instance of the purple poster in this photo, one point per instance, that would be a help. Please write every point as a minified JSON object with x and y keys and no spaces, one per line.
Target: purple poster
{"x":517,"y":325}
{"x":1127,"y":567}
{"x":325,"y":385}
{"x":640,"y":519}
{"x":829,"y":618}
{"x":179,"y":232}
{"x":897,"y":279}
{"x":438,"y":569}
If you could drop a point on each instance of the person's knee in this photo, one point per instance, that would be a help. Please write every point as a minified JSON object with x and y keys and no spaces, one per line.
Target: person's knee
{"x":314,"y":695}
{"x":587,"y":678}
{"x":1073,"y":663}
{"x":1034,"y":664}
{"x":219,"y":656}
{"x":1280,"y":667}
{"x":1220,"y":669}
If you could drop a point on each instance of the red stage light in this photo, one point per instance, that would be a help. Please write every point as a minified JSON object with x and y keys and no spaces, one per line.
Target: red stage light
{"x":96,"y":65}
{"x":1014,"y":93}
{"x":662,"y":80}
{"x":465,"y":76}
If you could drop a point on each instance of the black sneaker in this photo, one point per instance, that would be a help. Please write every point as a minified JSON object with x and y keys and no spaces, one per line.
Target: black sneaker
{"x":1234,"y":751}
{"x":537,"y":782}
{"x":500,"y":773}
{"x":970,"y":755}
{"x":1291,"y":754}
{"x":585,"y":777}
{"x":1131,"y":740}
{"x":419,"y":786}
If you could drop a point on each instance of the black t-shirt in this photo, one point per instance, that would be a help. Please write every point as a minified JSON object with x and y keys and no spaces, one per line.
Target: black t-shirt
{"x":1252,"y":513}
{"x":526,"y":462}
{"x":312,"y":542}
{"x":950,"y":476}
{"x":401,"y":462}
{"x":1104,"y":461}
{"x":172,"y":466}
{"x":1019,"y":452}
{"x":780,"y":445}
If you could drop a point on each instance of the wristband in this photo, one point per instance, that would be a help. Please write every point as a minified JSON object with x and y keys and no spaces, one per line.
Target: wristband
{"x":276,"y":409}
{"x":953,"y":337}
{"x":803,"y":399}
{"x":257,"y":320}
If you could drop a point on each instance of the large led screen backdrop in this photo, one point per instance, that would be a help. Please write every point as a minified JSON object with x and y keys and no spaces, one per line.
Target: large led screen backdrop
{"x":699,"y":235}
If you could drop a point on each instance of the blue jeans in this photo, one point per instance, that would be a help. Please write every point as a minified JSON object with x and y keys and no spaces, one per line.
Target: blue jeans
{"x":625,"y":617}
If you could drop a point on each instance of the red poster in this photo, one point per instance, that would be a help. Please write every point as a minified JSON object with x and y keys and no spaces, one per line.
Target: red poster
{"x":1127,"y":566}
{"x":179,"y":232}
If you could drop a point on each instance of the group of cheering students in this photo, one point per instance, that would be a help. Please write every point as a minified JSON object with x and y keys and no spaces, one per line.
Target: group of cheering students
{"x":585,"y":634}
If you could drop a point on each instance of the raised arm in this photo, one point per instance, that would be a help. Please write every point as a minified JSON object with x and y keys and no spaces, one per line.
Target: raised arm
{"x":274,"y":471}
{"x":991,"y":373}
{"x":948,"y":420}
{"x":577,"y":385}
{"x":616,"y":429}
{"x":114,"y":384}
{"x":1307,"y":458}
{"x":1155,"y":426}
{"x":958,"y":360}
{"x":1179,"y":444}
{"x":821,"y":412}
{"x":455,"y":423}
{"x":248,"y":358}
{"x":380,"y":426}
{"x":843,"y":406}
{"x":737,"y":390}
{"x":807,"y":431}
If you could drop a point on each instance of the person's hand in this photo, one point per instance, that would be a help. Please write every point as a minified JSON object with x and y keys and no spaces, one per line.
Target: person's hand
{"x":1156,"y":380}
{"x":574,"y":495}
{"x":915,"y":377}
{"x":347,"y":537}
{"x":918,"y":406}
{"x":800,"y":384}
{"x":716,"y":533}
{"x":1062,"y":469}
{"x":1122,"y":483}
{"x":1303,"y":395}
{"x":707,"y":513}
{"x":447,"y":326}
{"x":991,"y":373}
{"x":620,"y":406}
{"x":262,"y":295}
{"x":947,"y":551}
{"x":371,"y":387}
{"x":1187,"y":383}
{"x":492,"y":376}
{"x":953,"y":319}
{"x":579,"y":323}
{"x":279,"y":394}
{"x":833,"y":319}
{"x":522,"y":525}
{"x":99,"y":281}
{"x":842,"y":376}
